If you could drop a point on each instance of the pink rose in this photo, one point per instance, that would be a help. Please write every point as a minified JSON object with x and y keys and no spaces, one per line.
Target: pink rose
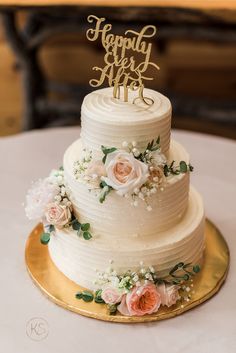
{"x":111,"y":295}
{"x":169,"y":294}
{"x":140,"y":301}
{"x":57,"y":215}
{"x":124,"y":172}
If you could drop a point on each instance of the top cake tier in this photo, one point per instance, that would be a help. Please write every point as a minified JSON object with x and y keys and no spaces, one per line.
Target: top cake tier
{"x":110,"y":121}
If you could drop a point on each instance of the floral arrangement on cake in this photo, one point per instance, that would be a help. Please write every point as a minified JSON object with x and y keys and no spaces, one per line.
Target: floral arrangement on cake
{"x":129,"y":172}
{"x":48,"y":201}
{"x":142,"y":292}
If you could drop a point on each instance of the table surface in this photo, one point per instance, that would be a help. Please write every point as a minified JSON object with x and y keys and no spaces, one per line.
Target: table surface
{"x":211,"y":327}
{"x":196,"y":4}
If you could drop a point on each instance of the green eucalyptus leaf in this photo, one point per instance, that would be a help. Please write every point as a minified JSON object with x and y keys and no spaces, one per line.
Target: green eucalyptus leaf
{"x":44,"y":238}
{"x":87,"y":296}
{"x":51,"y":228}
{"x":166,"y":170}
{"x":99,"y":300}
{"x":191,"y":168}
{"x":76,"y":225}
{"x":196,"y":268}
{"x":85,"y":226}
{"x":98,"y":297}
{"x":183,"y":167}
{"x":174,"y":269}
{"x":87,"y":235}
{"x":186,"y":277}
{"x":79,"y":295}
{"x":112,"y":309}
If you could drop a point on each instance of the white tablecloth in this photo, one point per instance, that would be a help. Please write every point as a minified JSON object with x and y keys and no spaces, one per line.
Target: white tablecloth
{"x":210,"y":327}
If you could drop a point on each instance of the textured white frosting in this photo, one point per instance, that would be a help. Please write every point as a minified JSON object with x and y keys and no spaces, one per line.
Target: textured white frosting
{"x":110,"y":121}
{"x":116,"y":217}
{"x":78,"y":259}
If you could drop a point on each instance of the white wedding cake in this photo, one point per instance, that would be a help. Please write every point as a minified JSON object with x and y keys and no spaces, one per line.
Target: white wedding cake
{"x":121,"y":214}
{"x":125,"y":234}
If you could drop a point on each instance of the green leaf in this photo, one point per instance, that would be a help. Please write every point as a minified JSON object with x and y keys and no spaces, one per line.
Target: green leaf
{"x":51,"y":228}
{"x":112,"y":309}
{"x":104,"y":194}
{"x":61,"y":168}
{"x":174,"y":269}
{"x":79,"y":295}
{"x":76,"y":225}
{"x":87,"y":296}
{"x":166,"y":170}
{"x":103,"y":184}
{"x":183,"y":167}
{"x":87,"y":235}
{"x":186,"y":277}
{"x":191,"y":168}
{"x":98,"y":297}
{"x":158,"y":140}
{"x":85,"y":226}
{"x":196,"y":268}
{"x":44,"y":238}
{"x":106,"y":151}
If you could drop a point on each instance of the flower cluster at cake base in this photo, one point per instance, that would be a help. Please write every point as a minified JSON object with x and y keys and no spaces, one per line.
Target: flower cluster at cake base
{"x":48,"y":201}
{"x":130,"y":172}
{"x":142,"y":292}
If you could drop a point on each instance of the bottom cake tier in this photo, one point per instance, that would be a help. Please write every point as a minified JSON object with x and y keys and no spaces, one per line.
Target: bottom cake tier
{"x":80,"y":260}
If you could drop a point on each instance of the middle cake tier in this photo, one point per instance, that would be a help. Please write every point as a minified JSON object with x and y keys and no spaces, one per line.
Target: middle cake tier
{"x":117,"y":217}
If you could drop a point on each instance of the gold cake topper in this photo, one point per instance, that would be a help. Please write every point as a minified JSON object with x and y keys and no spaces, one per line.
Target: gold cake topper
{"x":122,"y":69}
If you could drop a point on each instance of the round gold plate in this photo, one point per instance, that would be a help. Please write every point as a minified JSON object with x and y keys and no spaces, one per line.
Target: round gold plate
{"x":58,"y":288}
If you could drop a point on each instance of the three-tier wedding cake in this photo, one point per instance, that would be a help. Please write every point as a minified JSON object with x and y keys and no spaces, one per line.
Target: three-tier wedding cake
{"x":120,"y":214}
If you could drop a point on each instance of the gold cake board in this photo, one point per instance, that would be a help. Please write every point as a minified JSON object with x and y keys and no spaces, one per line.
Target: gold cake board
{"x":61,"y":290}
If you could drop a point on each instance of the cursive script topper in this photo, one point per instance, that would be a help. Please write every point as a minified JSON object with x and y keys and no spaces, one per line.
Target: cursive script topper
{"x":121,"y":67}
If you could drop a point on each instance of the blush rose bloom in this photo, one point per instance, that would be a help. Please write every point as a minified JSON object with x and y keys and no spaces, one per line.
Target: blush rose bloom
{"x":141,"y":301}
{"x":124,"y":172}
{"x":57,"y":215}
{"x":111,"y":295}
{"x":169,"y":294}
{"x":39,"y":196}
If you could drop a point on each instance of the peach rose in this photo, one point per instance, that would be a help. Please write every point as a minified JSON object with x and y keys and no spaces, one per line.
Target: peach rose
{"x":111,"y":295}
{"x":169,"y":294}
{"x":140,"y":301}
{"x":124,"y":172}
{"x":57,"y":215}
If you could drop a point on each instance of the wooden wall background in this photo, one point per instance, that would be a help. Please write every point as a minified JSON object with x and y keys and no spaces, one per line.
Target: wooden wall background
{"x":196,"y":68}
